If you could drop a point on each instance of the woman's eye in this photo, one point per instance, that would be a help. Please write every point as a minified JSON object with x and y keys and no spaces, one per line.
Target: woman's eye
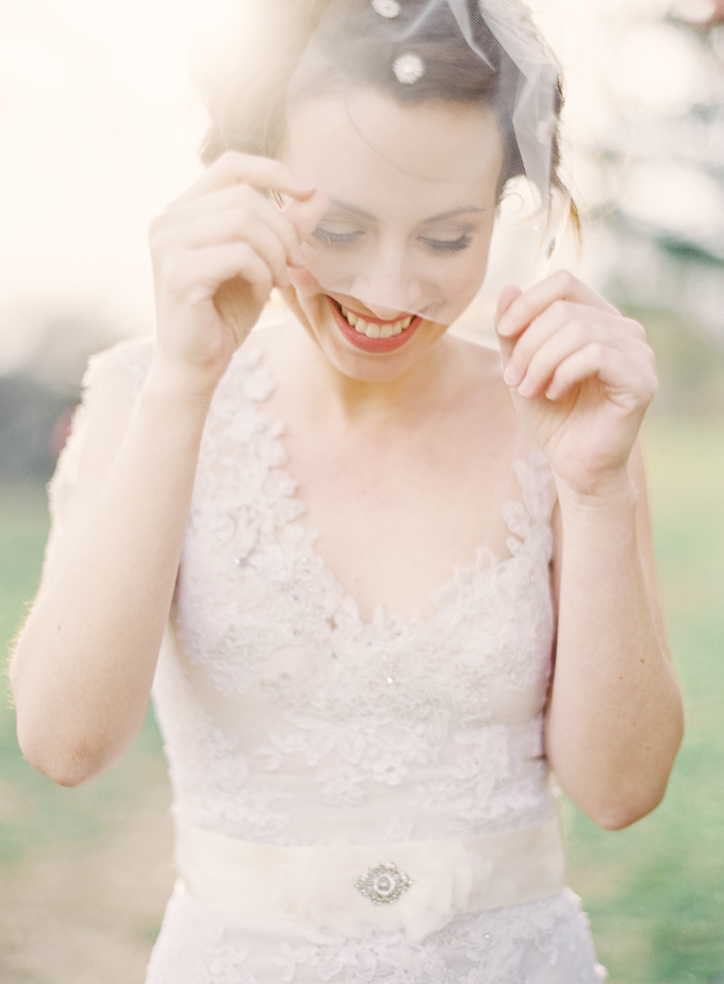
{"x":448,"y":245}
{"x":336,"y":238}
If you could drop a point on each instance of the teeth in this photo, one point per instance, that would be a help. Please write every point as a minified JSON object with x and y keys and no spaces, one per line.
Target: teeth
{"x":374,"y":330}
{"x":351,"y":319}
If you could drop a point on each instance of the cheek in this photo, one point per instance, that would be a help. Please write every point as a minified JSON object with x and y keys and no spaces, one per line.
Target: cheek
{"x":465,"y":276}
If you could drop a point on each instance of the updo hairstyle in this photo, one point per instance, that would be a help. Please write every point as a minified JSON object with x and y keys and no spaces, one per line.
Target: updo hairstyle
{"x":245,"y":90}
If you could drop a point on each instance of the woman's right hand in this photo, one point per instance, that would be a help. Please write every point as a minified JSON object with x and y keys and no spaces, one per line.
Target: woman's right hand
{"x":218,"y":251}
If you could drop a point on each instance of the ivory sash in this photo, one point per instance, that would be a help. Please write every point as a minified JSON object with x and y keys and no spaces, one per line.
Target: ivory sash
{"x":318,"y":884}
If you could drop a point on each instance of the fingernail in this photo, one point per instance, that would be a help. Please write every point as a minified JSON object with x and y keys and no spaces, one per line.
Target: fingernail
{"x":512,"y":375}
{"x":526,"y":388}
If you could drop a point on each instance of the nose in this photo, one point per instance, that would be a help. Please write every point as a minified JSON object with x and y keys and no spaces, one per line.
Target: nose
{"x":386,"y":287}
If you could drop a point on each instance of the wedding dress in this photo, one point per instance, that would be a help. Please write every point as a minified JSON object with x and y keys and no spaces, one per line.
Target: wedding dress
{"x":355,"y":801}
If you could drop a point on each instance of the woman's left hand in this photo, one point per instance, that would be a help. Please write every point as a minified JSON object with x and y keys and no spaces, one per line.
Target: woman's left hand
{"x":581,"y":376}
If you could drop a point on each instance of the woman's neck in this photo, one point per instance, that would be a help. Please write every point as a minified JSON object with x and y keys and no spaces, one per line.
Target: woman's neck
{"x":311,"y":380}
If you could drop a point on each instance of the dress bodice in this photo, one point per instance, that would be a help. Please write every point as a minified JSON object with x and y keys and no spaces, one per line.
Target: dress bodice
{"x":288,"y":719}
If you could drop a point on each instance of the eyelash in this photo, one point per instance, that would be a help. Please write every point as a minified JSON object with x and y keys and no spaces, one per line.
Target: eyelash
{"x":336,"y":238}
{"x":348,"y":238}
{"x":448,"y":245}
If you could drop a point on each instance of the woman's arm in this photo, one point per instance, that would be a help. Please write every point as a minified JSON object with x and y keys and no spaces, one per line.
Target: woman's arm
{"x":582,"y":376}
{"x":84,"y":663}
{"x":615,"y":719}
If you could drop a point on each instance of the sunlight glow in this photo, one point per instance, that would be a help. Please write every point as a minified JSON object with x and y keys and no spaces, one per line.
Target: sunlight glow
{"x":102,"y":126}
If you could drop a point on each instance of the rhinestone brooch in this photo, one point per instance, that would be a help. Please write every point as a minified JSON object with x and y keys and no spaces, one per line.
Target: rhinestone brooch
{"x":408,"y":69}
{"x":386,"y":8}
{"x":383,"y":884}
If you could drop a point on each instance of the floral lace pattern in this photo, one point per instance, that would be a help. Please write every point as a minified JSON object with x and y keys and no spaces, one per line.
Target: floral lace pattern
{"x":359,"y":709}
{"x":544,"y":942}
{"x":287,"y":719}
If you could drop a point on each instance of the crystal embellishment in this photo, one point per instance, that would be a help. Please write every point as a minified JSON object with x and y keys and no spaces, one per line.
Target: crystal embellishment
{"x":408,"y":69}
{"x":383,"y":884}
{"x":386,"y":8}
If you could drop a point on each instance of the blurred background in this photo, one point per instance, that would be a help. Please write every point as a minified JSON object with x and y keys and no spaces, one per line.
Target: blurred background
{"x":99,"y":131}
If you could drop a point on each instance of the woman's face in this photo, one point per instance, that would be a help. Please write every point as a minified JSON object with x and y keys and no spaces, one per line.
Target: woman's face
{"x":403,"y":247}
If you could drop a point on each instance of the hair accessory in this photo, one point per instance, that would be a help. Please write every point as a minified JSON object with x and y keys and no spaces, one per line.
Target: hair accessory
{"x":386,"y":8}
{"x":408,"y":69}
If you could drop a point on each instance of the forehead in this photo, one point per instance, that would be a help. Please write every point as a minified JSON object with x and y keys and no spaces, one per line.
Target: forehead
{"x":366,"y":146}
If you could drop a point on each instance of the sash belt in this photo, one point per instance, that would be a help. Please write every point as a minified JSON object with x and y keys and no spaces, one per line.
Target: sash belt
{"x":415,"y":886}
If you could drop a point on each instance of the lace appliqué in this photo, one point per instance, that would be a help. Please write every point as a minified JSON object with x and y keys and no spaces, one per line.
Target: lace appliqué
{"x":538,"y":942}
{"x":271,"y":592}
{"x":364,"y":705}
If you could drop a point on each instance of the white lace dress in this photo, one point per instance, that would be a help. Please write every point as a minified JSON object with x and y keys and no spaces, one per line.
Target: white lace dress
{"x":290,"y":723}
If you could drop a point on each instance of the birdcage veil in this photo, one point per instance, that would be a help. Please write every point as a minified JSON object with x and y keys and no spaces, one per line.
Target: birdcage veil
{"x":485,"y":56}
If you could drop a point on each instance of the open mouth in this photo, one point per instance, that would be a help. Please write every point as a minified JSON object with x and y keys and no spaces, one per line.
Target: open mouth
{"x":376,"y":329}
{"x":372,"y":334}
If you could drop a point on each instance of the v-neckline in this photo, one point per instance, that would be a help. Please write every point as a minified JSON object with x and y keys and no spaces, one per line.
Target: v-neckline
{"x":439,"y":597}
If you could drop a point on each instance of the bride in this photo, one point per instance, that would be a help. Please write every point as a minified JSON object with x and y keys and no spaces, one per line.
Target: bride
{"x":382,"y":587}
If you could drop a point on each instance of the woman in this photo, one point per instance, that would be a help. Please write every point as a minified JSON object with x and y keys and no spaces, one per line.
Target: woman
{"x":356,"y":626}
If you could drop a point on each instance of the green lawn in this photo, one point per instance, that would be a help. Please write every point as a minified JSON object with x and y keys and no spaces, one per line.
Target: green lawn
{"x":33,"y":810}
{"x":655,"y":892}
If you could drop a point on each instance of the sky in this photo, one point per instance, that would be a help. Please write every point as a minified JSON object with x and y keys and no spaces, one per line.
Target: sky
{"x":100,"y":129}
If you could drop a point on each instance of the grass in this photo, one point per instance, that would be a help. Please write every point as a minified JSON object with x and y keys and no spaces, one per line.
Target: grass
{"x":654,"y":892}
{"x":34,"y":812}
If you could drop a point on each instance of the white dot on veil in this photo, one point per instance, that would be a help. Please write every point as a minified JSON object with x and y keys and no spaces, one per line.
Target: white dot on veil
{"x":408,"y":69}
{"x":386,"y":8}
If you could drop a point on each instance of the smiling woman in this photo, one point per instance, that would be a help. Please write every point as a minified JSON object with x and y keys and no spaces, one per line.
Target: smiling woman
{"x":368,"y":646}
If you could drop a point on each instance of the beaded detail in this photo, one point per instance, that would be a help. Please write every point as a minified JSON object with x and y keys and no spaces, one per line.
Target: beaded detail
{"x":408,"y":69}
{"x":383,"y":884}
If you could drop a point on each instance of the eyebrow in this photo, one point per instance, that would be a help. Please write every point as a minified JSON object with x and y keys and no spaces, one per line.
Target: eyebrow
{"x":452,"y":214}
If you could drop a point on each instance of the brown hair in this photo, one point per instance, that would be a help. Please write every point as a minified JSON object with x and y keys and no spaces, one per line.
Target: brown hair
{"x":246,"y":92}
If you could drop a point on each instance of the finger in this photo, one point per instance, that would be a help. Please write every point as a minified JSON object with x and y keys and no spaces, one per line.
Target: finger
{"x":238,"y":201}
{"x":530,"y":304}
{"x":245,"y":227}
{"x":306,"y":215}
{"x":561,"y":345}
{"x":590,"y":325}
{"x":553,"y":320}
{"x":259,"y":172}
{"x":627,"y":381}
{"x":197,"y":274}
{"x":508,"y":294}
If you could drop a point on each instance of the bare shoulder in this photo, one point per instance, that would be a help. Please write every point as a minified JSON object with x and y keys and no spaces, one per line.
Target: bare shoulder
{"x":269,"y":335}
